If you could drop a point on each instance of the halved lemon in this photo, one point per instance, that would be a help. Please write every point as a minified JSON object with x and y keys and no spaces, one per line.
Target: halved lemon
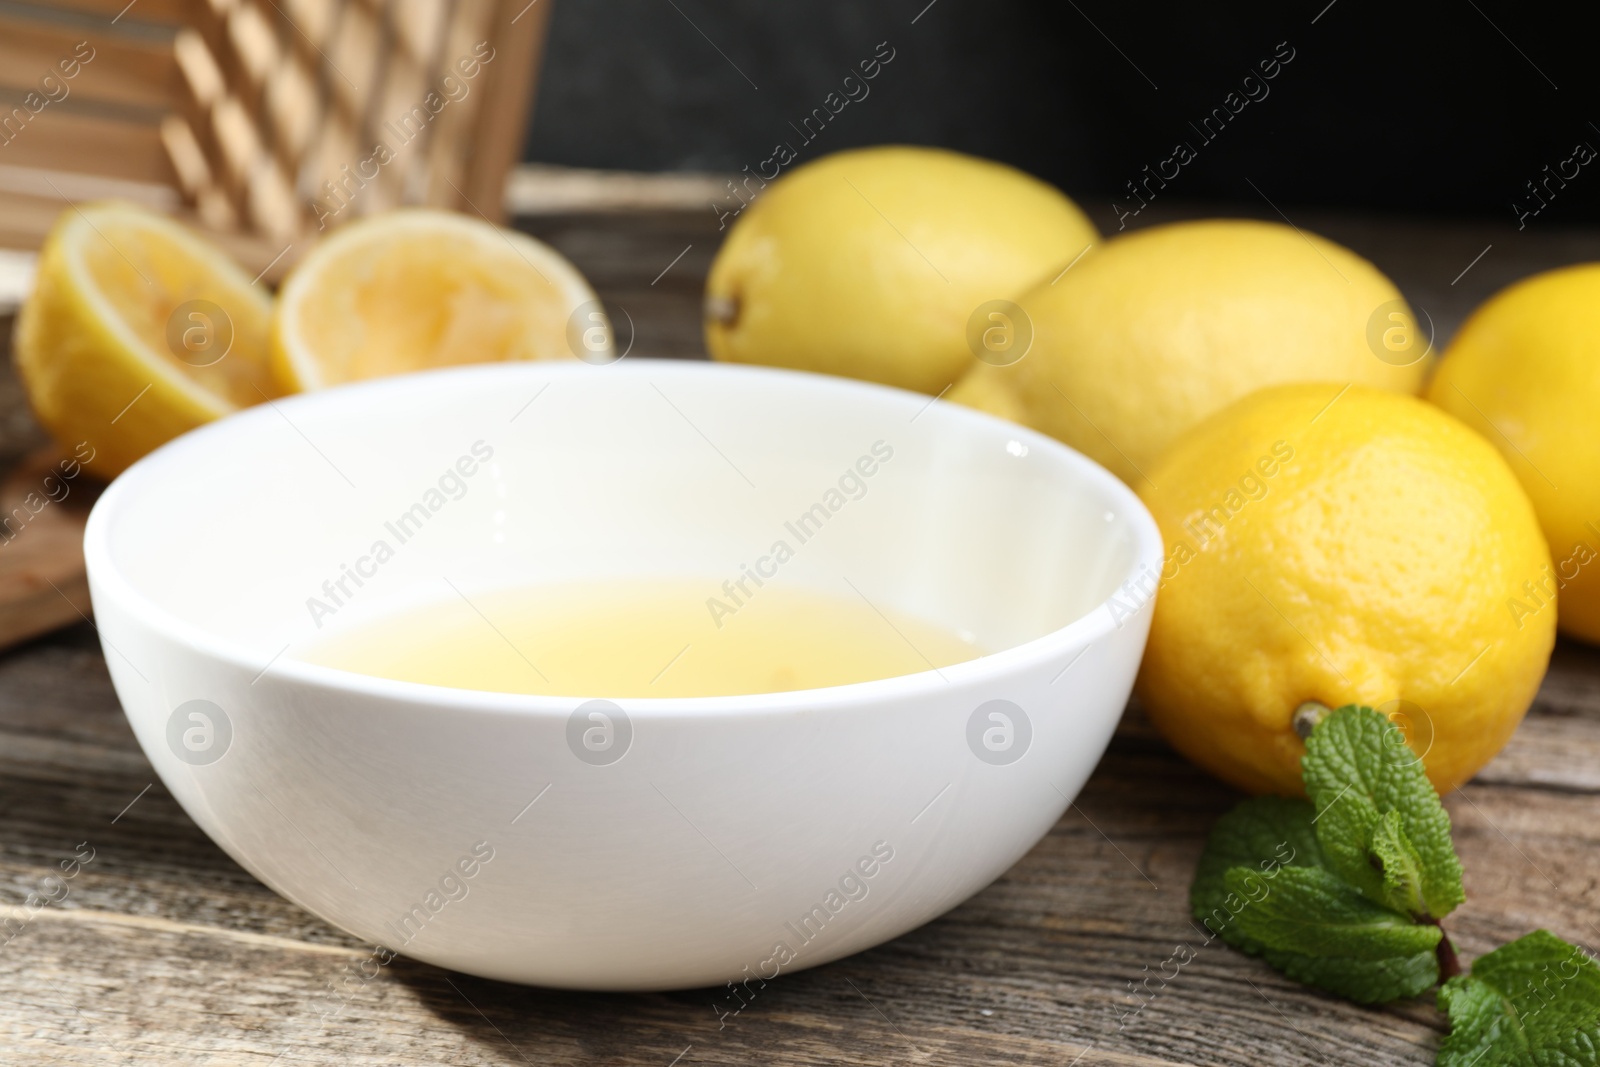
{"x":136,"y":331}
{"x":416,"y":289}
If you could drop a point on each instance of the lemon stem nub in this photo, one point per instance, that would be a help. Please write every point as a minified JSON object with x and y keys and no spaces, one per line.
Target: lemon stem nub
{"x":1306,"y":717}
{"x":722,"y":310}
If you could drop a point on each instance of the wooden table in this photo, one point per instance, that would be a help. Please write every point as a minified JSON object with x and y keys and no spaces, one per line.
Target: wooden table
{"x":165,"y":952}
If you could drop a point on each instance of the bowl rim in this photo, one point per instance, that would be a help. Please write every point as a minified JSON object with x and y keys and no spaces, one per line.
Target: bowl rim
{"x":1082,"y":632}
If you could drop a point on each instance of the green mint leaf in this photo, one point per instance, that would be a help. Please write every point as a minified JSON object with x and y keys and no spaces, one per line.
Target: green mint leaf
{"x":1262,"y":834}
{"x":1357,"y":769}
{"x":1400,"y":865}
{"x":1269,"y":842}
{"x":1363,"y":981}
{"x":1535,"y":1001}
{"x":1314,"y":912}
{"x":1341,"y":892}
{"x":1318,"y":929}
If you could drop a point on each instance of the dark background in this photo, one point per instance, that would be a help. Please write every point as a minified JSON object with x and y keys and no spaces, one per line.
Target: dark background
{"x":1441,"y":108}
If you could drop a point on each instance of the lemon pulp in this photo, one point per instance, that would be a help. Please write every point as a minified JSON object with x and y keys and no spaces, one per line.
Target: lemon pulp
{"x":417,"y":289}
{"x":137,"y":331}
{"x":146,"y":275}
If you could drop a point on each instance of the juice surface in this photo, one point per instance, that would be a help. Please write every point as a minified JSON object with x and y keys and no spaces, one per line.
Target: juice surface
{"x":642,"y":640}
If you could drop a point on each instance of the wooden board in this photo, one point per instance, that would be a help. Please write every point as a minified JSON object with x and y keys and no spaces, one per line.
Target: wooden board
{"x":44,"y":503}
{"x":163,"y":951}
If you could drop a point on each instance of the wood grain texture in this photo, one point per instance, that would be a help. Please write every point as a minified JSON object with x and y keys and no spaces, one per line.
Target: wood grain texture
{"x":87,"y":143}
{"x":41,"y":545}
{"x":135,"y":72}
{"x":163,"y":951}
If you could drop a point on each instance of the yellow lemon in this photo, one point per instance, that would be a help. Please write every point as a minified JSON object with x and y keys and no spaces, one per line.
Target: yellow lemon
{"x":872,"y":263}
{"x":1340,"y":544}
{"x":1525,"y":372}
{"x":416,"y":289}
{"x":136,"y":331}
{"x":1156,"y":330}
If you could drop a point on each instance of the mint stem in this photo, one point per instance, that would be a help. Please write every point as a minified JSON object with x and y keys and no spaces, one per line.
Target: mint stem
{"x":1449,"y":963}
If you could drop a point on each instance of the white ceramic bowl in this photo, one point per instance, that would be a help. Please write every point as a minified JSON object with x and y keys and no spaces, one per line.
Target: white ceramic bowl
{"x":713,"y":839}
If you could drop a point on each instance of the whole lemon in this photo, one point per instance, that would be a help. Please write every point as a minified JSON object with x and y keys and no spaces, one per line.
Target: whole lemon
{"x":1156,"y":330}
{"x":871,"y":263}
{"x":1525,"y":372}
{"x":1340,"y":544}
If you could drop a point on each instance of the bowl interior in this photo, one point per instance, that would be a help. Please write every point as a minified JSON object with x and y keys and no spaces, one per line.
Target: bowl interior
{"x":512,"y":475}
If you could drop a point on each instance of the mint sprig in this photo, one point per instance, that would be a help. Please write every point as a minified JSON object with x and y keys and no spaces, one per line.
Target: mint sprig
{"x":1534,"y":1001}
{"x":1345,"y":891}
{"x":1319,"y":930}
{"x":1264,"y":886}
{"x":1352,"y":911}
{"x":1379,"y":820}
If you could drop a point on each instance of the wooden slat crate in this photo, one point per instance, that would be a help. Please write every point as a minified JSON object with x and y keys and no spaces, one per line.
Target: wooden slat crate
{"x":265,"y":121}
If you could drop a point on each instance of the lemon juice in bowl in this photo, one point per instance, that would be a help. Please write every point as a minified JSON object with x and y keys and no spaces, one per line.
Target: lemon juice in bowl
{"x":644,"y":639}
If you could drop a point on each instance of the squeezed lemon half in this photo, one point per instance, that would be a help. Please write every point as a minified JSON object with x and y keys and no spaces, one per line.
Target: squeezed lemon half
{"x":417,"y":289}
{"x":137,"y":331}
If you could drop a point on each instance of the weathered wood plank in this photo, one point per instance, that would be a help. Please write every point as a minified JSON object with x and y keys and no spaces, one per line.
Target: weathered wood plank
{"x":41,"y":546}
{"x":629,"y":269}
{"x":122,"y":70}
{"x":85,"y":143}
